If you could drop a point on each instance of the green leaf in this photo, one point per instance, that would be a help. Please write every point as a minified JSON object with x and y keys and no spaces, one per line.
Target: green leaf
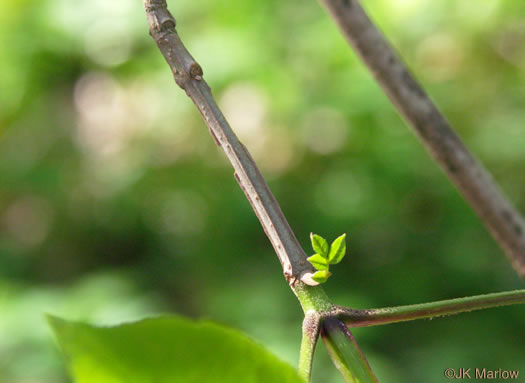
{"x":337,"y":250}
{"x":166,"y":350}
{"x":319,"y":245}
{"x":321,"y":276}
{"x":318,"y":262}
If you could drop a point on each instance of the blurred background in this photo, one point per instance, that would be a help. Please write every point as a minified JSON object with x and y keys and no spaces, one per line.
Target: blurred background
{"x":115,"y":203}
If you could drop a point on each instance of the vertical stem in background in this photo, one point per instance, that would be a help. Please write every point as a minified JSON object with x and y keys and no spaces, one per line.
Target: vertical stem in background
{"x":345,"y":352}
{"x":503,"y":221}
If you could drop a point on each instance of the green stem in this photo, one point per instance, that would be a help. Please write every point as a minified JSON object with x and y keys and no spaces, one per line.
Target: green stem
{"x":312,"y":298}
{"x":345,"y":352}
{"x":373,"y":317}
{"x":311,"y":330}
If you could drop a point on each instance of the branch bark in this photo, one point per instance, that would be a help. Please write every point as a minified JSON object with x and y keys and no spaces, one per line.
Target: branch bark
{"x":503,"y":221}
{"x":189,"y":76}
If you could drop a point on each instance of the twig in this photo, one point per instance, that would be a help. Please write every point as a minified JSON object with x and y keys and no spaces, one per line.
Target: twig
{"x":188,"y":75}
{"x":345,"y":353}
{"x":297,"y":270}
{"x":374,"y":317}
{"x":503,"y":221}
{"x":311,"y":329}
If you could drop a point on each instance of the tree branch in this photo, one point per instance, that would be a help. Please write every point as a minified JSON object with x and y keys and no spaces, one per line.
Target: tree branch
{"x":505,"y":224}
{"x":374,"y":317}
{"x":188,"y":75}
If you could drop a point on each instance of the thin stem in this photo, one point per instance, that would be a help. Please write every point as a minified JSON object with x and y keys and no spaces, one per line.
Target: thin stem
{"x":316,"y":305}
{"x":503,"y":221}
{"x":345,"y":352}
{"x":188,"y":75}
{"x":374,"y":317}
{"x":311,"y":330}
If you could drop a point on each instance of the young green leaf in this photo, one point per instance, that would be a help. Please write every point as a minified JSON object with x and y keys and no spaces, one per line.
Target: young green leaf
{"x":337,"y":250}
{"x":166,"y":350}
{"x":318,"y":262}
{"x":321,"y":276}
{"x":319,"y":245}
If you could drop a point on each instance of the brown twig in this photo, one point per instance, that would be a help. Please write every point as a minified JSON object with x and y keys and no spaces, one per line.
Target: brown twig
{"x":188,"y":75}
{"x":503,"y":221}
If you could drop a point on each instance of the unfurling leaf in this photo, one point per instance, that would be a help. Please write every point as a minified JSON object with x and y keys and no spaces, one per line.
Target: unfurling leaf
{"x":319,"y":245}
{"x":318,"y":262}
{"x":321,"y":276}
{"x":337,"y":250}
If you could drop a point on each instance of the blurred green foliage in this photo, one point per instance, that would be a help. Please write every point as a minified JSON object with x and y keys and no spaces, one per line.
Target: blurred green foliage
{"x":116,"y":204}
